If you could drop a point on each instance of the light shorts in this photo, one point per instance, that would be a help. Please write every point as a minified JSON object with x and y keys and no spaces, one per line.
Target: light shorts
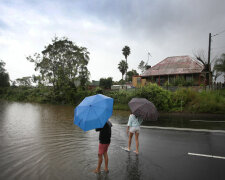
{"x":135,"y":129}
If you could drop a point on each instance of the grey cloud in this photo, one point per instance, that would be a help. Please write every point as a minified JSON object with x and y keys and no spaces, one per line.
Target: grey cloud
{"x":180,"y":25}
{"x":158,"y":16}
{"x":187,"y":21}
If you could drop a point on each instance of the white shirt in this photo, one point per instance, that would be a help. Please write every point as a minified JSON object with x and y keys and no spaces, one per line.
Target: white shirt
{"x":134,"y":121}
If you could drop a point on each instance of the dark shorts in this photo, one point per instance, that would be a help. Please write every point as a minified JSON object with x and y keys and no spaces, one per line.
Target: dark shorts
{"x":102,"y":148}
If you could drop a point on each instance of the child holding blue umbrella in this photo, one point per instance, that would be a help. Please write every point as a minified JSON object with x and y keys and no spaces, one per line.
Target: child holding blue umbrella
{"x":104,"y":142}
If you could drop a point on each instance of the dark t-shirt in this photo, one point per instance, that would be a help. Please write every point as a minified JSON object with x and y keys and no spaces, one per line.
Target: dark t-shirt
{"x":105,"y":133}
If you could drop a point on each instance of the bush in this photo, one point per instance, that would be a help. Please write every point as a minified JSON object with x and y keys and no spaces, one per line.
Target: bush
{"x":182,"y":97}
{"x":98,"y":90}
{"x":121,"y":97}
{"x":157,"y":95}
{"x":208,"y":102}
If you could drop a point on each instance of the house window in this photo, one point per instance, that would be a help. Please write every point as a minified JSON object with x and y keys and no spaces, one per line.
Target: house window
{"x":188,"y":77}
{"x":162,"y":80}
{"x":171,"y":79}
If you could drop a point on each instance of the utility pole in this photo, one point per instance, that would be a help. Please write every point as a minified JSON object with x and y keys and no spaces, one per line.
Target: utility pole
{"x":209,"y":50}
{"x":209,"y":65}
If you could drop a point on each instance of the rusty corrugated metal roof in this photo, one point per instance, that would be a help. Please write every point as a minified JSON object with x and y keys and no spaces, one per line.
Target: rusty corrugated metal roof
{"x":175,"y":65}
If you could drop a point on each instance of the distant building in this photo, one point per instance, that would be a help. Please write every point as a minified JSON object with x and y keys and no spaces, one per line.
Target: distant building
{"x":171,"y":68}
{"x":121,"y":87}
{"x":115,"y":87}
{"x":93,"y":84}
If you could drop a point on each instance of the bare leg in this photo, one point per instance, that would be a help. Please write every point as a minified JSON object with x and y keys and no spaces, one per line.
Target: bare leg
{"x":99,"y":163}
{"x":106,"y":161}
{"x":129,"y":141}
{"x":137,"y":141}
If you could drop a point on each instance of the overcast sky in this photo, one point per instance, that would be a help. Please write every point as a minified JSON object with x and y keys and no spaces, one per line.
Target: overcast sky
{"x":104,"y":27}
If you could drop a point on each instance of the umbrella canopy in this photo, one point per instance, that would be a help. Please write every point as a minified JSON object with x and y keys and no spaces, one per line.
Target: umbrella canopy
{"x":143,"y":108}
{"x":93,"y":112}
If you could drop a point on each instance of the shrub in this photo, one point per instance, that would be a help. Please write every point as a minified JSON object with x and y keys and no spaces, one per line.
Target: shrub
{"x":157,"y":95}
{"x":207,"y":102}
{"x":98,"y":90}
{"x":182,"y":97}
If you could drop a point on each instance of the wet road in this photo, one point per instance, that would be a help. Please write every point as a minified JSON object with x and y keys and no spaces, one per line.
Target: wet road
{"x":164,"y":155}
{"x":41,"y":142}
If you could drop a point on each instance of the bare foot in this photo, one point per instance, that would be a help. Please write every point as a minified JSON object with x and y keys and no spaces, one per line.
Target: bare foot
{"x":136,"y":152}
{"x":97,"y":171}
{"x":127,"y":149}
{"x":106,"y":171}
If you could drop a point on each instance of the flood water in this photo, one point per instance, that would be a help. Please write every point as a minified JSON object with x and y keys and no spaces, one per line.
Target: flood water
{"x":40,"y":141}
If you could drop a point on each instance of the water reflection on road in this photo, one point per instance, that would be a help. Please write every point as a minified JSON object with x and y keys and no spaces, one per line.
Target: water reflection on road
{"x":41,"y":142}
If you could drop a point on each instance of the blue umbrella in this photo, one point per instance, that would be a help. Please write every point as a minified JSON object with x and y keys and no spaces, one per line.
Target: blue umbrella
{"x":93,"y":112}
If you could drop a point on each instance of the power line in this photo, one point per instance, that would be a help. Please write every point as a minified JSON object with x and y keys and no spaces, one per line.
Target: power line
{"x":219,"y":47}
{"x":219,"y":33}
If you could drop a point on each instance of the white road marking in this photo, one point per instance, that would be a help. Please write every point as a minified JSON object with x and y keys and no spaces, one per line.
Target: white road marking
{"x":175,"y":128}
{"x":207,"y":121}
{"x":206,"y":155}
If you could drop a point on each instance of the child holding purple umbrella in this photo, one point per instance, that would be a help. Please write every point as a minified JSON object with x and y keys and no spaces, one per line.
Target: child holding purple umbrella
{"x":133,"y":127}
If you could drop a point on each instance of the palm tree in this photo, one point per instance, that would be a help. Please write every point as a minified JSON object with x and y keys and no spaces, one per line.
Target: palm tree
{"x":220,"y":64}
{"x":200,"y":56}
{"x":126,"y":53}
{"x":123,"y":66}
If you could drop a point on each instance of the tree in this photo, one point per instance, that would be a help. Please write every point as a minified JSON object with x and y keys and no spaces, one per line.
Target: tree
{"x":122,"y":66}
{"x":215,"y":74}
{"x":4,"y":76}
{"x":142,"y":66}
{"x":126,"y":53}
{"x":131,"y":73}
{"x":83,"y":74}
{"x":200,"y":56}
{"x":220,"y":64}
{"x":24,"y":81}
{"x":61,"y":64}
{"x":37,"y":79}
{"x":106,"y":83}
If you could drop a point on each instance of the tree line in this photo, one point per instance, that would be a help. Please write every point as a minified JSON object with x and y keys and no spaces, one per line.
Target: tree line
{"x":62,"y":65}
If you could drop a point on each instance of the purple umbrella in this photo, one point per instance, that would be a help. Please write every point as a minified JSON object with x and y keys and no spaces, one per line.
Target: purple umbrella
{"x":143,"y":108}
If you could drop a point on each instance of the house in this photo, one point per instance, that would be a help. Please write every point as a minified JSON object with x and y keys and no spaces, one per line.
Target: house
{"x":173,"y":68}
{"x":137,"y":81}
